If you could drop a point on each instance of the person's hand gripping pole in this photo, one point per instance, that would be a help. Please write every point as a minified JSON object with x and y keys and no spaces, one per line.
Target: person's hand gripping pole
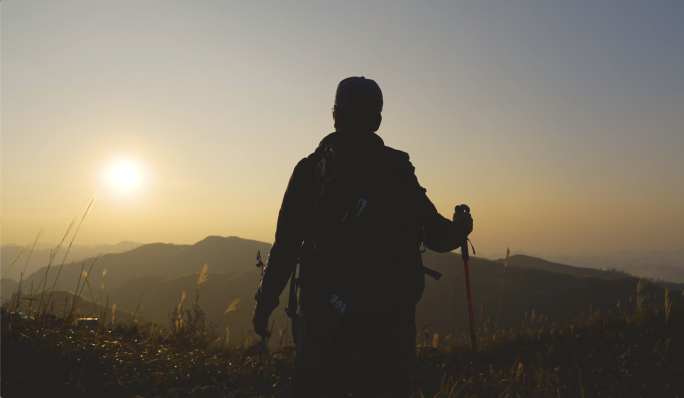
{"x":462,"y":214}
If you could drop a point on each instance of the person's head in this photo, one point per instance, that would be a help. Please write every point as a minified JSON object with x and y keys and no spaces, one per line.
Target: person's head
{"x":358,"y":105}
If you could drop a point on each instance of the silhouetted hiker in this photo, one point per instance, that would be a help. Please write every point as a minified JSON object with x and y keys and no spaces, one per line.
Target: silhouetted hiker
{"x":354,"y":217}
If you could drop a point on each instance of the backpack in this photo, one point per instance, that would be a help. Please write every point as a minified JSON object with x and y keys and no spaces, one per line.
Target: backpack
{"x":364,"y":203}
{"x":364,"y":256}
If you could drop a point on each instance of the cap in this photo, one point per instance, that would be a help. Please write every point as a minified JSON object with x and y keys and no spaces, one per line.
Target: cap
{"x":359,"y":94}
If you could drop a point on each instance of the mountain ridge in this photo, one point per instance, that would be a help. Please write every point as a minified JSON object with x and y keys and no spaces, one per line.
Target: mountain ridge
{"x":155,"y":276}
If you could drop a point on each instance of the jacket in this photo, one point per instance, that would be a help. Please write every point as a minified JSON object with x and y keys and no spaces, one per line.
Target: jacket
{"x":295,"y":218}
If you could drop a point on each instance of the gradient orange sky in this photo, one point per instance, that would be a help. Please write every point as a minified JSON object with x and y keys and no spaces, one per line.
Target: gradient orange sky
{"x":560,"y":123}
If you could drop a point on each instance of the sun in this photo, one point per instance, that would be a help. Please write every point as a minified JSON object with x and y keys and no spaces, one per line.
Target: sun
{"x":125,"y":176}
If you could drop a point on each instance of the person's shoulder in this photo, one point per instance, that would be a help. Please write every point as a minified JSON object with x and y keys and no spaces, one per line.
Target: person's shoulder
{"x":401,"y":161}
{"x":397,"y":155}
{"x":312,"y":160}
{"x":327,"y":140}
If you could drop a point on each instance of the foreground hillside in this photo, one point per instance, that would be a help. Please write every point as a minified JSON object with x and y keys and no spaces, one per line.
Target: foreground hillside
{"x":637,"y":355}
{"x":153,"y":277}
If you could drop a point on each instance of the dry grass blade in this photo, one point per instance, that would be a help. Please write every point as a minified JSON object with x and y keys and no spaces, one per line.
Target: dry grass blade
{"x":104,"y":272}
{"x":182,"y":298}
{"x":53,"y":254}
{"x":85,"y":276}
{"x":233,"y":306}
{"x":78,"y":284}
{"x":142,"y":308}
{"x":113,"y":313}
{"x":21,"y":253}
{"x":179,"y":314}
{"x":21,"y":277}
{"x":520,"y":370}
{"x":640,"y":286}
{"x":90,"y":205}
{"x":503,"y":276}
{"x":203,"y":277}
{"x":640,"y":299}
{"x":668,"y":304}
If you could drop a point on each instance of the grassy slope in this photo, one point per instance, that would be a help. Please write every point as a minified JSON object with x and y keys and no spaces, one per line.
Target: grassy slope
{"x":84,"y":307}
{"x":559,"y":296}
{"x":608,"y":356}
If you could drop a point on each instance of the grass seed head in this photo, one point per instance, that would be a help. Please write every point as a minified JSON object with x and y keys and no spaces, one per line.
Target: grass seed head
{"x":203,"y":277}
{"x":640,"y":286}
{"x":233,"y":306}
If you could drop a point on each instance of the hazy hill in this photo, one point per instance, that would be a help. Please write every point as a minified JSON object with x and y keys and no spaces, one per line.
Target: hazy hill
{"x":521,"y":260}
{"x":663,"y":272}
{"x":8,"y":286}
{"x":667,"y":265}
{"x":39,"y":257}
{"x":231,"y":254}
{"x":155,"y":275}
{"x":560,"y":296}
{"x":658,"y":273}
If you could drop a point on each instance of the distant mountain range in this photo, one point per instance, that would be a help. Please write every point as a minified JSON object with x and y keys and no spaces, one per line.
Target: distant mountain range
{"x":155,"y":275}
{"x":41,"y":254}
{"x":653,"y":264}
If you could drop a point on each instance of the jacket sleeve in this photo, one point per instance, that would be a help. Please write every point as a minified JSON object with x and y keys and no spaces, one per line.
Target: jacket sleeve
{"x":439,"y":233}
{"x":293,"y":222}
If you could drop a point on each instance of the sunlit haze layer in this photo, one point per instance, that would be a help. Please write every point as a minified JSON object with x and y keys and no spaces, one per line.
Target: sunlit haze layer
{"x":561,"y":124}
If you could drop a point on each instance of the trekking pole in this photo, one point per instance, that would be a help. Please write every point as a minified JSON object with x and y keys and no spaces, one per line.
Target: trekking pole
{"x":462,"y":209}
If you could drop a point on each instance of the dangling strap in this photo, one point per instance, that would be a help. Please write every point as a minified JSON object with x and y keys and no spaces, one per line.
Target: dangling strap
{"x":431,"y":272}
{"x":291,"y":309}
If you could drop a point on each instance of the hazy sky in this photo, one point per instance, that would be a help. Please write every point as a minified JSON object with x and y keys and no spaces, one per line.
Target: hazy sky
{"x":560,"y":123}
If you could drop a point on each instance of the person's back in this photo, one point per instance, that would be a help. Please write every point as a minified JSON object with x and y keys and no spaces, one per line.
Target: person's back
{"x":354,"y":218}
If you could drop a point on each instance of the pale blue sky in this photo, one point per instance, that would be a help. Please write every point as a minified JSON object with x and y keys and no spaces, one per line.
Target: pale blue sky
{"x":560,"y":123}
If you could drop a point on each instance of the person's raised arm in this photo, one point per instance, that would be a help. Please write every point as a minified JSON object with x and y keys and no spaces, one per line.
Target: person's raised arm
{"x":440,"y":234}
{"x":293,"y":221}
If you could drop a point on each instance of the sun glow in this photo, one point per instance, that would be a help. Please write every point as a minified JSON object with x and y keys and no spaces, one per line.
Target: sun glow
{"x":125,"y":176}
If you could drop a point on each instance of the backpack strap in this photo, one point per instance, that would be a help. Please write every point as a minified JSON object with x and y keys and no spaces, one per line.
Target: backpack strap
{"x":431,"y":272}
{"x":291,"y":309}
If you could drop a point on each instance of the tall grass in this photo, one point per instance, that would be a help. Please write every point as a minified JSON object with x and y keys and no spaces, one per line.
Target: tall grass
{"x":85,"y":213}
{"x":51,"y":259}
{"x":612,"y":355}
{"x":21,"y":253}
{"x":503,"y":276}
